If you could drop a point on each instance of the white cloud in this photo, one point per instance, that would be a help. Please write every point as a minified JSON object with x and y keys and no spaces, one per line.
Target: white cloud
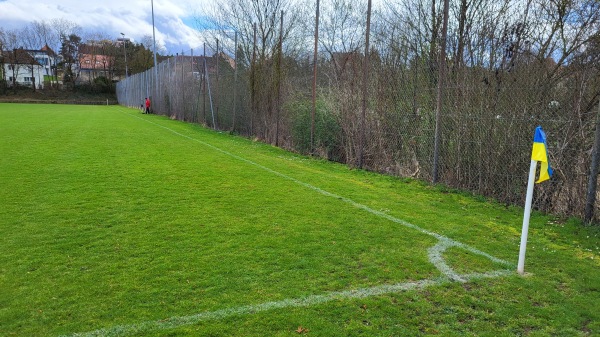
{"x":112,"y":17}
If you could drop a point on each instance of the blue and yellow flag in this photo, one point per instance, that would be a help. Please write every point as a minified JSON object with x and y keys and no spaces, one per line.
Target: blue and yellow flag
{"x":540,"y":153}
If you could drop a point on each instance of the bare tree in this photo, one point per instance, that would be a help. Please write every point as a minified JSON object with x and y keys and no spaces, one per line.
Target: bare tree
{"x":3,"y":56}
{"x":241,"y":16}
{"x":44,"y":39}
{"x":43,"y":31}
{"x":15,"y":66}
{"x":343,"y":26}
{"x":30,"y":42}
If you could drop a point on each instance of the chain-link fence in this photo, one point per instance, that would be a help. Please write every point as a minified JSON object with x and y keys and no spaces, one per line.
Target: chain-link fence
{"x":488,"y":110}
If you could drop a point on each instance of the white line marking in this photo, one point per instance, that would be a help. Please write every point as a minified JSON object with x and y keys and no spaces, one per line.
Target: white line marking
{"x":176,"y":322}
{"x":435,"y":254}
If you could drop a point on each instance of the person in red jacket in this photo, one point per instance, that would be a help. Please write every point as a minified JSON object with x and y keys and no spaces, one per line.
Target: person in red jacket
{"x":147,"y":105}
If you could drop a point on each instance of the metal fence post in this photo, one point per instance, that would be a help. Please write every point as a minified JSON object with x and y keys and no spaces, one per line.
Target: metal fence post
{"x":279,"y":60}
{"x":314,"y":84}
{"x":363,"y":117}
{"x":235,"y":80}
{"x":440,"y":93}
{"x":593,"y":178}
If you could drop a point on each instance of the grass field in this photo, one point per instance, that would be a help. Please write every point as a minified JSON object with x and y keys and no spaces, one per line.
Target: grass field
{"x":114,"y":223}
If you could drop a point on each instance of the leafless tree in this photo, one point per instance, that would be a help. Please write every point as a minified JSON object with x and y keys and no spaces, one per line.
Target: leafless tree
{"x":242,"y":16}
{"x":3,"y":84}
{"x":342,"y":27}
{"x":30,"y":41}
{"x":11,"y":45}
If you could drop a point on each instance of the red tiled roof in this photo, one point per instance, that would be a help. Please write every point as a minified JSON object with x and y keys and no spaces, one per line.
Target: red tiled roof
{"x":48,"y":49}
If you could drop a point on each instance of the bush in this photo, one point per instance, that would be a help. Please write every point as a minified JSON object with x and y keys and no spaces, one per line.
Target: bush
{"x":104,"y":85}
{"x":327,"y":129}
{"x":100,"y":85}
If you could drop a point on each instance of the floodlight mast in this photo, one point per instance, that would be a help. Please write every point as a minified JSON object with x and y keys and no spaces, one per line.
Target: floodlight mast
{"x":126,"y":70}
{"x":125,"y":52}
{"x":154,"y":41}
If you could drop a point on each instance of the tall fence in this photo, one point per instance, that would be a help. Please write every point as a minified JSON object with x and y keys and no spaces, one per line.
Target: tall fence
{"x":487,"y":115}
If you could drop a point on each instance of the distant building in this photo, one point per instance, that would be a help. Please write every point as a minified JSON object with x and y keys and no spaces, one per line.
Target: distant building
{"x":48,"y":59}
{"x":21,"y":68}
{"x":93,"y":61}
{"x":29,"y":67}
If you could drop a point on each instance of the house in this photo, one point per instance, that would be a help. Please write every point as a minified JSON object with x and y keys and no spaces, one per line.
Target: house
{"x":48,"y":59}
{"x":93,"y":61}
{"x":20,"y":68}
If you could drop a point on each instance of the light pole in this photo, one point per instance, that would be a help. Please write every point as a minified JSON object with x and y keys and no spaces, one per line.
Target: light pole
{"x":153,"y":32}
{"x":125,"y":52}
{"x":126,"y":70}
{"x":154,"y":47}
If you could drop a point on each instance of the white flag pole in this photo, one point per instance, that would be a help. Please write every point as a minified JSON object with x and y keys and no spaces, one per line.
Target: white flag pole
{"x":526,"y":215}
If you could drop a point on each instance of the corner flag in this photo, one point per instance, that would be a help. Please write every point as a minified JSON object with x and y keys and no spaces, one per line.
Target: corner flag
{"x":539,"y":152}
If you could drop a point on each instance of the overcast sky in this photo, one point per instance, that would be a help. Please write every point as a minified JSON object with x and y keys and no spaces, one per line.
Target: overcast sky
{"x":174,"y":19}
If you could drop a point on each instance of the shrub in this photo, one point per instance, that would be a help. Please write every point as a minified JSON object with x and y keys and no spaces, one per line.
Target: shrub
{"x":327,"y":129}
{"x":104,"y":85}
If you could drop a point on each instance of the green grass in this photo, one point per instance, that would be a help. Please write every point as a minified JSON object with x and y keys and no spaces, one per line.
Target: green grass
{"x":112,"y":218}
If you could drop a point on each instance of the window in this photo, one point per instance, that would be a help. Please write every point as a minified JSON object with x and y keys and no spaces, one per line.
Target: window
{"x":87,"y":61}
{"x":28,"y":79}
{"x":11,"y":67}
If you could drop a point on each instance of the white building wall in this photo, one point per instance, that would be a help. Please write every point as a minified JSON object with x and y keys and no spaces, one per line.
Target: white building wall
{"x":22,"y":73}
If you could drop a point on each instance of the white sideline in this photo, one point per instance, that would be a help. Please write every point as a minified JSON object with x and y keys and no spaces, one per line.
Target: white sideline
{"x":435,"y":255}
